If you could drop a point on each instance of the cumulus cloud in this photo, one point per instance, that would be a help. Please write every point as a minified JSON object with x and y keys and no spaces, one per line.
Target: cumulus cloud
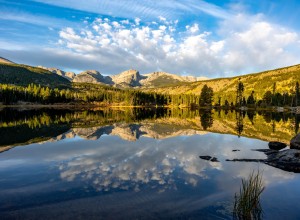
{"x":239,"y":43}
{"x":239,"y":48}
{"x":147,"y":48}
{"x":257,"y":45}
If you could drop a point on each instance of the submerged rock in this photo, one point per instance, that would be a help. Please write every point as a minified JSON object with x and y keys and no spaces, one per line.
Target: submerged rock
{"x":205,"y":157}
{"x":209,"y":158}
{"x":246,"y":160}
{"x":275,"y":145}
{"x":288,"y":160}
{"x":266,"y":151}
{"x":295,"y":142}
{"x":214,"y":159}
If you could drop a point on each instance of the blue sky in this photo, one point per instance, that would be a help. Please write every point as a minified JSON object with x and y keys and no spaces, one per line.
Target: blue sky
{"x":186,"y":37}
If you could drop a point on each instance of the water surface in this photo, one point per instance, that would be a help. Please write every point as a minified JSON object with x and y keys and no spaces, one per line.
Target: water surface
{"x":138,"y":163}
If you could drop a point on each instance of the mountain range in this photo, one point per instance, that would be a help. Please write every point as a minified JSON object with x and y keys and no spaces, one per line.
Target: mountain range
{"x":126,"y":79}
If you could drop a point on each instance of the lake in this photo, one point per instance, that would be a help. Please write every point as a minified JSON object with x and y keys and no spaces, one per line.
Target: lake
{"x":139,"y":163}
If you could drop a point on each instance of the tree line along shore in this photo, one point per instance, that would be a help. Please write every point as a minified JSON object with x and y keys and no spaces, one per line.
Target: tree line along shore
{"x":98,"y":95}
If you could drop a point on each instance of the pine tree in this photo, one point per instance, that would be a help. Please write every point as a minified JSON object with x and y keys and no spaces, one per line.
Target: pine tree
{"x":239,"y":93}
{"x":206,"y":96}
{"x":251,"y":99}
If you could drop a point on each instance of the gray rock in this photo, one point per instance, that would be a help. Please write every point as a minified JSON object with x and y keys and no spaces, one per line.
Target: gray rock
{"x":295,"y":142}
{"x":275,"y":145}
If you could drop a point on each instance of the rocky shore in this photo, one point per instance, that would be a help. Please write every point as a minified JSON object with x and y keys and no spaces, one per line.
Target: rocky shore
{"x":277,"y":156}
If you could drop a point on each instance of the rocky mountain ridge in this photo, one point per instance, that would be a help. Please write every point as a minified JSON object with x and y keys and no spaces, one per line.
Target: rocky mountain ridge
{"x":126,"y":79}
{"x":132,"y":78}
{"x":92,"y":76}
{"x":129,"y":132}
{"x":68,"y":75}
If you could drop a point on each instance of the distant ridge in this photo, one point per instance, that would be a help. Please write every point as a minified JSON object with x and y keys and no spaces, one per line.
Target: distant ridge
{"x":24,"y":75}
{"x":126,"y":79}
{"x":3,"y":60}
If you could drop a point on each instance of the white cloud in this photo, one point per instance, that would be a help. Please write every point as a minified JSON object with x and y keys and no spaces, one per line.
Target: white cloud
{"x":258,"y":46}
{"x":193,"y":29}
{"x":149,"y":48}
{"x":239,"y":49}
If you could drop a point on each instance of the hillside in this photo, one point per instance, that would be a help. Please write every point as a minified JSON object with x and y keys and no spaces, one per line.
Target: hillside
{"x":285,"y":79}
{"x":24,"y":75}
{"x":3,"y":60}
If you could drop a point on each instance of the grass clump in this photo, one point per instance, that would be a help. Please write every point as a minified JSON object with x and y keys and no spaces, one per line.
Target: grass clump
{"x":247,"y":202}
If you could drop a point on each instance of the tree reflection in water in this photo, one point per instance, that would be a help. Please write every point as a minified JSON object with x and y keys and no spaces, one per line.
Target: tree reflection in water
{"x":239,"y":122}
{"x":19,"y":126}
{"x":206,"y":118}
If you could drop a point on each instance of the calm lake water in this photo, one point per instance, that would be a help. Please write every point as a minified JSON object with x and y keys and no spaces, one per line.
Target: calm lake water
{"x":139,"y":163}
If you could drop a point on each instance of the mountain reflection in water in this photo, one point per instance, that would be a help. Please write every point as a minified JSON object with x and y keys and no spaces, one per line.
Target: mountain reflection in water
{"x":18,"y":127}
{"x":138,"y":163}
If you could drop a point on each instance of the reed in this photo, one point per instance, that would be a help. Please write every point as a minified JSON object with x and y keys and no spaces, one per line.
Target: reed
{"x":247,"y":202}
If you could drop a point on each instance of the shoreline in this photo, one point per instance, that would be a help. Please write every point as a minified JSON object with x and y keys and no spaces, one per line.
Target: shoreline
{"x":295,"y":110}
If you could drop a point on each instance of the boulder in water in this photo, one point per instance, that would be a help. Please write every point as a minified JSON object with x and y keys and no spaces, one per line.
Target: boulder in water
{"x":275,"y":145}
